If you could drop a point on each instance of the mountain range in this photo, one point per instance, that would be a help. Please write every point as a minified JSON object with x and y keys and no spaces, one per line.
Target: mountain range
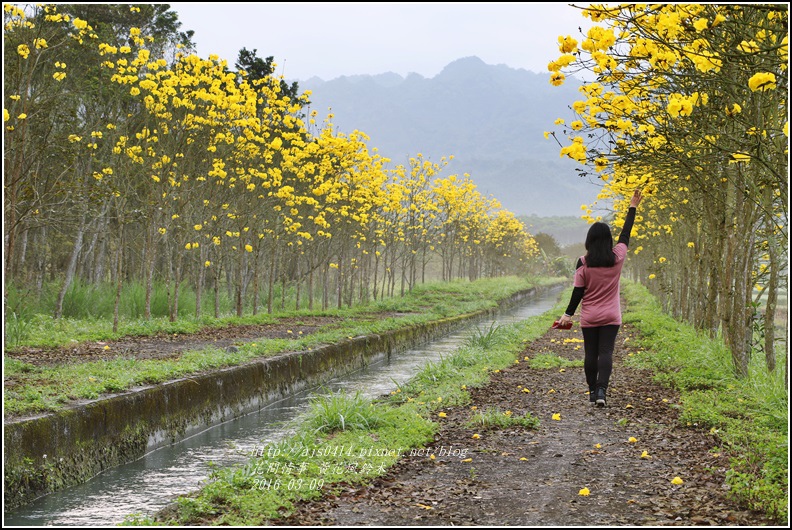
{"x":491,"y":118}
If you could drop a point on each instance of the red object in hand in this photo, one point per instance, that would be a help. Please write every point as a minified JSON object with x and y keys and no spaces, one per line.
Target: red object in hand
{"x":559,"y":325}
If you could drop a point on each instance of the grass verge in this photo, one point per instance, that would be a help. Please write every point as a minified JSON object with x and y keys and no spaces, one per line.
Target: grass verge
{"x":749,"y":415}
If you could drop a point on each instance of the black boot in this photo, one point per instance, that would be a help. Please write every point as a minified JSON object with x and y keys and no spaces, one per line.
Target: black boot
{"x":592,"y":395}
{"x":600,"y":396}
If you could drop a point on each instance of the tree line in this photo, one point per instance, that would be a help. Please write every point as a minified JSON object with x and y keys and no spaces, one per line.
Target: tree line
{"x":128,"y":158}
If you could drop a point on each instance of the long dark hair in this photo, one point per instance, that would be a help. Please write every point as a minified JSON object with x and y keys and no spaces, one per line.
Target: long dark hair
{"x":599,"y":246}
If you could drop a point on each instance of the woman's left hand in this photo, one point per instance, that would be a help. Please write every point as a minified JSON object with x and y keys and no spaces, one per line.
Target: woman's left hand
{"x":564,"y":320}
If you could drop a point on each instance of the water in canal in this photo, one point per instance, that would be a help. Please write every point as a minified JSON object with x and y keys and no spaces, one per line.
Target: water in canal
{"x":151,"y":482}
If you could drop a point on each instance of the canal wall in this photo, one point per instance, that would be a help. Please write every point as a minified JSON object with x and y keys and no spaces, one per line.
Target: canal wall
{"x":53,"y":451}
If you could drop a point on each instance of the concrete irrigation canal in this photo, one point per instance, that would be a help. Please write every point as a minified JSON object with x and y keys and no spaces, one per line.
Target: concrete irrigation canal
{"x":188,"y":426}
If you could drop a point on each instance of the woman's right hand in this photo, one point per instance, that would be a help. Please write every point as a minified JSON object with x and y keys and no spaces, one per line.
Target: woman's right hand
{"x":636,"y":199}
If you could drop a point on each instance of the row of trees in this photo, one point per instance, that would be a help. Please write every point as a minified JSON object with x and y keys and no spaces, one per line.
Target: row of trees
{"x":130,"y":158}
{"x":690,"y":103}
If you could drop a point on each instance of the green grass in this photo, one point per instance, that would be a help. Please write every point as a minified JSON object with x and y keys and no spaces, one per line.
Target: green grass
{"x":343,"y":412}
{"x":495,"y":418}
{"x":545,"y":361}
{"x":748,"y":415}
{"x":484,"y":338}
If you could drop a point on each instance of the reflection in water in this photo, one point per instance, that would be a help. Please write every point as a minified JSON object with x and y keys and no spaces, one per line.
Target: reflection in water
{"x":149,"y":483}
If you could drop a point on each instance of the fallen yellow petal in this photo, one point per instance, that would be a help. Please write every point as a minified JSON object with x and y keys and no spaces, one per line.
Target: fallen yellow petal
{"x":598,"y":446}
{"x":645,"y":454}
{"x":585,"y":492}
{"x":526,"y":390}
{"x":677,"y":480}
{"x":476,"y":436}
{"x":442,"y":414}
{"x":632,"y":440}
{"x":524,"y":459}
{"x":628,"y":406}
{"x":557,"y":416}
{"x":467,"y":460}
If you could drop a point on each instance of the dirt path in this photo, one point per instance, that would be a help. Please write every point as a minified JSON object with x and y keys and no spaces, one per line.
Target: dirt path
{"x":521,"y":476}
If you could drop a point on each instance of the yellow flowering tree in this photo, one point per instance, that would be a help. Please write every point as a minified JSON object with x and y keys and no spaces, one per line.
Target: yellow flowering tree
{"x":689,"y":103}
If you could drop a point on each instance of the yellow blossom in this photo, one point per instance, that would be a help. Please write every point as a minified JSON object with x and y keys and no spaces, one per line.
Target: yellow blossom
{"x":567,"y":44}
{"x":585,"y":492}
{"x":557,"y":416}
{"x":762,"y":81}
{"x":632,"y":439}
{"x":677,"y":481}
{"x":739,"y":158}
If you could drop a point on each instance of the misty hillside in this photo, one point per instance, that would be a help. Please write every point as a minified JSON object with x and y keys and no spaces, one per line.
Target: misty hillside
{"x":490,"y":118}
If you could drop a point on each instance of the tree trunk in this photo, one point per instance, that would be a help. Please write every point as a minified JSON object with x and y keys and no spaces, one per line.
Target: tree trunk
{"x":238,"y":279}
{"x":271,"y":278}
{"x":311,"y":284}
{"x":769,"y":316}
{"x":119,"y":276}
{"x":204,"y":255}
{"x":72,"y":267}
{"x":174,"y":313}
{"x":149,"y":269}
{"x":297,"y":286}
{"x":216,"y":275}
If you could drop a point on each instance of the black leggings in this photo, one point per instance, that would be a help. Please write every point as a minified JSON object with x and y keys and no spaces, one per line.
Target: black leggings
{"x":598,"y":364}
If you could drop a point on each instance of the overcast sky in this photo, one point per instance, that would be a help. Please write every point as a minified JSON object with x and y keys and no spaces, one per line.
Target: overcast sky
{"x":332,"y":39}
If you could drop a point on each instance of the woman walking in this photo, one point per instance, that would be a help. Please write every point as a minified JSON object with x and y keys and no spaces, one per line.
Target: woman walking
{"x":596,"y":285}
